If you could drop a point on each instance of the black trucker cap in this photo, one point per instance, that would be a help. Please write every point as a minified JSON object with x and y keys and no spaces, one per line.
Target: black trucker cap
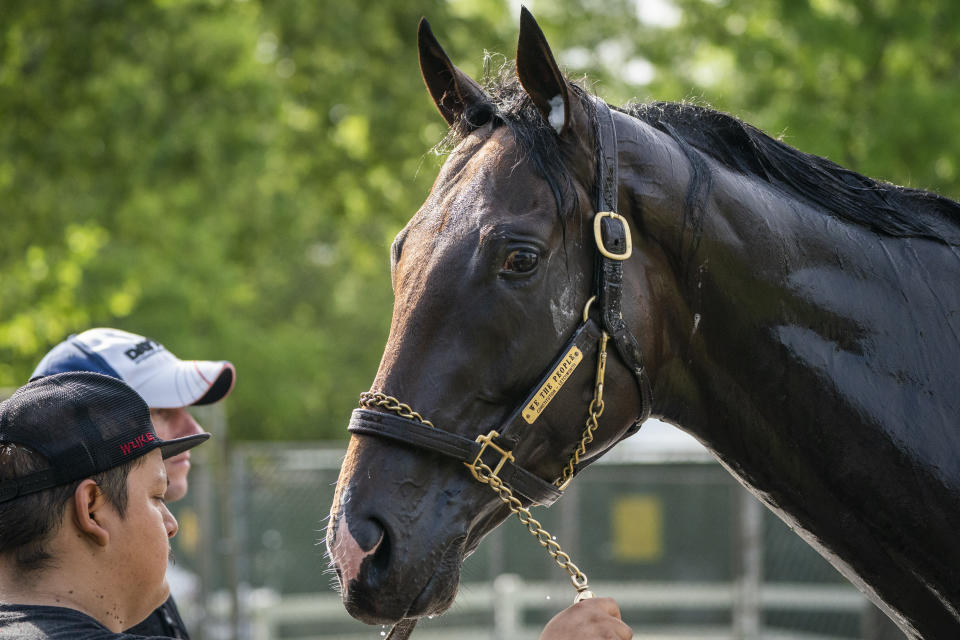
{"x":83,"y":423}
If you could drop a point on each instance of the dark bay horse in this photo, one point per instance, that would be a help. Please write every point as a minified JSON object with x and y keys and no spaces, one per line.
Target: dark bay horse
{"x":799,"y":319}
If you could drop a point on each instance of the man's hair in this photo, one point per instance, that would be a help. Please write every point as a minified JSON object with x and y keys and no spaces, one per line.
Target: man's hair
{"x":29,"y":522}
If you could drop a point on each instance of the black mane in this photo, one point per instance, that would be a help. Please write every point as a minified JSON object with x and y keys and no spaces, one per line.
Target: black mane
{"x":702,"y":132}
{"x":880,"y":206}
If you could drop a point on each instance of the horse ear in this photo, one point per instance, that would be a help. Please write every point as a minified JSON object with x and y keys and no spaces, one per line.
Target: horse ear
{"x":541,"y":77}
{"x":453,"y":91}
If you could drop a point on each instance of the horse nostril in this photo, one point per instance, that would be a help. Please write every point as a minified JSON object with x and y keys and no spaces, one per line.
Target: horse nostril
{"x":375,"y":560}
{"x":360,"y":546}
{"x":374,"y":542}
{"x":368,"y":534}
{"x":379,"y":563}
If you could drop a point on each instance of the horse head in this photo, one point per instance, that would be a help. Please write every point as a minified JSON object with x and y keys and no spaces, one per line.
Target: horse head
{"x":796,"y":317}
{"x":491,"y":327}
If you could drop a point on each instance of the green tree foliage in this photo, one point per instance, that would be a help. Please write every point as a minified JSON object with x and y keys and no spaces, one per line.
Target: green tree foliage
{"x":870,"y":84}
{"x":226,"y":176}
{"x":223,"y":176}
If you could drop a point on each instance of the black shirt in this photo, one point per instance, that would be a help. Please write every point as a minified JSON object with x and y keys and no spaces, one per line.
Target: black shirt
{"x":164,"y":621}
{"x":39,"y":622}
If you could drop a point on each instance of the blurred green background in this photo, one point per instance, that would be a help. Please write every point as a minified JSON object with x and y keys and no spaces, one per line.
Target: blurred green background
{"x":226,"y":176}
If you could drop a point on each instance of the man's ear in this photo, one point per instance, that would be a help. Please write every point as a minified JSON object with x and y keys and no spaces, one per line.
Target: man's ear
{"x":91,"y":511}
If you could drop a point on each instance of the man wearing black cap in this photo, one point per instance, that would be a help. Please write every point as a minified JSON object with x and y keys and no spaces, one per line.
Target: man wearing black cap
{"x":83,"y":524}
{"x":168,"y":385}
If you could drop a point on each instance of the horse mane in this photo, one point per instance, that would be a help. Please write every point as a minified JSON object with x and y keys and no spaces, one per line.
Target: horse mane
{"x":706,"y":133}
{"x":880,"y":206}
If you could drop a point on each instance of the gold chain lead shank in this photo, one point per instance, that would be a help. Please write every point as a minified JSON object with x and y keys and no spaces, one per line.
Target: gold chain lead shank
{"x":484,"y":474}
{"x":595,"y":410}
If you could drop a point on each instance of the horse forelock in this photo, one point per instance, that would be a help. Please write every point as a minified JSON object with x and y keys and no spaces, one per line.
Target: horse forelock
{"x":537,"y":142}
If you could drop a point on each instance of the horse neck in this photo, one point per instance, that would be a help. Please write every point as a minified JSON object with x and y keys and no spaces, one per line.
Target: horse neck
{"x":816,"y":358}
{"x":766,"y":307}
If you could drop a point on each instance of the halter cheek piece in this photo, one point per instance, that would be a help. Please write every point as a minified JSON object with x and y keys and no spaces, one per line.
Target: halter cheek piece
{"x":613,"y":242}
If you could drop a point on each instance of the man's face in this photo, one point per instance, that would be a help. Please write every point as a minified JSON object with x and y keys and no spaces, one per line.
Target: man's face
{"x":142,"y":540}
{"x":175,"y":423}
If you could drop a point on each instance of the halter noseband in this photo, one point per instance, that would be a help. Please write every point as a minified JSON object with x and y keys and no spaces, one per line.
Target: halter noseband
{"x":613,"y":243}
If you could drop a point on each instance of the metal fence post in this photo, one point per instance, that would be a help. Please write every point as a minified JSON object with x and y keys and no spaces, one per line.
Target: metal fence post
{"x":234,"y":547}
{"x":747,"y":613}
{"x":207,"y":485}
{"x":506,"y":609}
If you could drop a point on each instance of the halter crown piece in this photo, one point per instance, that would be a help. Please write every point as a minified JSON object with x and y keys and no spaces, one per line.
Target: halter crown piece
{"x":489,"y":458}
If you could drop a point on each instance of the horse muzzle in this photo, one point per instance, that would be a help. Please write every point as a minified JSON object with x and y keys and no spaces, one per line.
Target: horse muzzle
{"x":376,"y":589}
{"x":396,"y":537}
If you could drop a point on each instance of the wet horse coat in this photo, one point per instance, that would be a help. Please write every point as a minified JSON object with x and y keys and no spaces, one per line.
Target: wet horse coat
{"x":799,"y":319}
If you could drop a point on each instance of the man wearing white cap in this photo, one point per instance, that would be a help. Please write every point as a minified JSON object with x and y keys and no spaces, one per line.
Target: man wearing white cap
{"x":168,"y":385}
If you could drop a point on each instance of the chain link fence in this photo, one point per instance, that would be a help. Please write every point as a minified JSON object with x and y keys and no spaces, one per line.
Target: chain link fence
{"x":657,"y":524}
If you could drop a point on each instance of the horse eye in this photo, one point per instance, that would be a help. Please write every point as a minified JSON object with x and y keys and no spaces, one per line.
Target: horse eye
{"x":521,"y":261}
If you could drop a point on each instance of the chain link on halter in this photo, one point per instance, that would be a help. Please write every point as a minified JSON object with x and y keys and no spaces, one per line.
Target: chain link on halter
{"x":595,"y":410}
{"x":393,"y":405}
{"x":487,"y":475}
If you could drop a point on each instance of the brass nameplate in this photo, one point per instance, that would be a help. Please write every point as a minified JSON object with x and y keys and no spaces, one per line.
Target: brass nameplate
{"x":545,"y":394}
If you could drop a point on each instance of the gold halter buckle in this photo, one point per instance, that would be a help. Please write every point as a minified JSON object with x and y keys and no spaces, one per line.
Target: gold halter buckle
{"x":598,"y":235}
{"x":487,"y":441}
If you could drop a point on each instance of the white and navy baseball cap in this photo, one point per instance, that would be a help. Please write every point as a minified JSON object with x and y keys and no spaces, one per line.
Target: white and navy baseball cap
{"x":163,"y":380}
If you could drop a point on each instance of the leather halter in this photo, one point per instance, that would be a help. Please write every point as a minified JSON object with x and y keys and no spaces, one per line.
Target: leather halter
{"x":612,"y":234}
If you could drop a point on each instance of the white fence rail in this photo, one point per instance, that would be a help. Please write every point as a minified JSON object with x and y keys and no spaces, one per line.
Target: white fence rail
{"x":507,"y":600}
